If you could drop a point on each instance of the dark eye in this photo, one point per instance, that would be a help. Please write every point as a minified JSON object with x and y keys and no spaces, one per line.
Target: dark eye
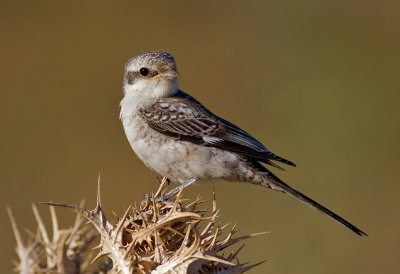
{"x":144,"y":71}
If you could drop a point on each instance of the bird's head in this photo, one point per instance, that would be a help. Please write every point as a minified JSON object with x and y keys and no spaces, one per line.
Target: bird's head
{"x":152,"y":75}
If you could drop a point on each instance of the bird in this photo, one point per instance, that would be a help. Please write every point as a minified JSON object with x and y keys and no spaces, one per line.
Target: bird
{"x":179,"y":138}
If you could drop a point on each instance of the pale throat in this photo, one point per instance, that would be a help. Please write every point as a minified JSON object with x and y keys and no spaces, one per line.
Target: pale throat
{"x":152,"y":89}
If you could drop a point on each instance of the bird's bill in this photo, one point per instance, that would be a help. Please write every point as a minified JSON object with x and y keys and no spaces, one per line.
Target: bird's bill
{"x":169,"y":75}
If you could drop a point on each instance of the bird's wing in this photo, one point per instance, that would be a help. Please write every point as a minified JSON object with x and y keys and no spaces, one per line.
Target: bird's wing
{"x":185,"y":118}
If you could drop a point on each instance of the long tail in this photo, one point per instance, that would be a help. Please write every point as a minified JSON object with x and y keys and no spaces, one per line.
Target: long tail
{"x":275,"y":183}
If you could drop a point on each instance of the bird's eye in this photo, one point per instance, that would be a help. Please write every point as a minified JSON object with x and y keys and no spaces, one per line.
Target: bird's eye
{"x":144,"y":71}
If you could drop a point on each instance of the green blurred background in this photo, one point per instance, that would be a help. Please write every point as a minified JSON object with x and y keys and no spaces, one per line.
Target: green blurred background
{"x":316,"y":81}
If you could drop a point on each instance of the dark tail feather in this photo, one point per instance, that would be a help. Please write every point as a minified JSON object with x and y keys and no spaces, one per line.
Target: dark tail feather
{"x":291,"y":191}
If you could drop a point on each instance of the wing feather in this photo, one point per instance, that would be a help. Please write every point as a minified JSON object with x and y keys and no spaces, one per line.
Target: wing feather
{"x":183,"y":117}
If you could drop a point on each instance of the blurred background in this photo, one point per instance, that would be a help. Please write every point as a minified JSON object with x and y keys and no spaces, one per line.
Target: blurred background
{"x":316,"y":81}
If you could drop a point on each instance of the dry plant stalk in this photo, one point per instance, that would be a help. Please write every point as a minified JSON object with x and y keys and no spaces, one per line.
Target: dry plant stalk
{"x":66,"y":252}
{"x":156,"y":236}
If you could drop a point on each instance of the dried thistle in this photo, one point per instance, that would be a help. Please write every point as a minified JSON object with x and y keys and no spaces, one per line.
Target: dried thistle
{"x":66,"y":252}
{"x":156,"y":236}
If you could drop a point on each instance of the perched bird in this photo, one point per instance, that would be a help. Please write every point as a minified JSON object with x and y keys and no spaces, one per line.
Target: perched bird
{"x":176,"y":136}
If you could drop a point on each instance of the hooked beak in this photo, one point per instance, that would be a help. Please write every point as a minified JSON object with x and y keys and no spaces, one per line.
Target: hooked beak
{"x":169,"y":75}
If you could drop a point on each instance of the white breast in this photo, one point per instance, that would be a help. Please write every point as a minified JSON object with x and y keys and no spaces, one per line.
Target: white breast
{"x":178,"y":160}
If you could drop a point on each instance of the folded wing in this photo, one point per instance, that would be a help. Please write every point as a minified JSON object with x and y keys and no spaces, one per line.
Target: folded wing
{"x":185,"y":118}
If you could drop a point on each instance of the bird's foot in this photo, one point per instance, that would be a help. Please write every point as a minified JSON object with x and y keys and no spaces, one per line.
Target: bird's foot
{"x":162,"y":198}
{"x":178,"y":188}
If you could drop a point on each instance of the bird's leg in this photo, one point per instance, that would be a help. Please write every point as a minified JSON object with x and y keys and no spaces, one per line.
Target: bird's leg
{"x":177,"y":189}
